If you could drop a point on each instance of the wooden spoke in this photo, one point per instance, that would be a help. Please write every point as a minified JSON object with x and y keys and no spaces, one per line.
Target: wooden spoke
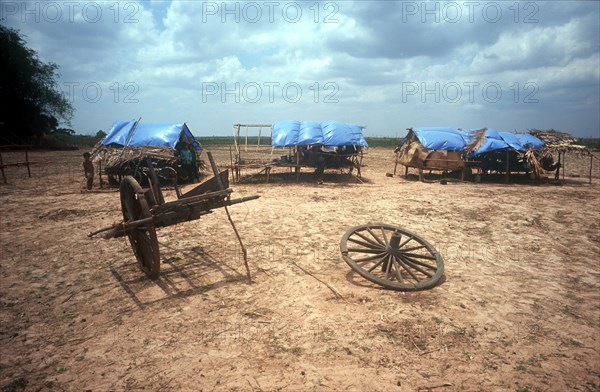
{"x":365,"y":244}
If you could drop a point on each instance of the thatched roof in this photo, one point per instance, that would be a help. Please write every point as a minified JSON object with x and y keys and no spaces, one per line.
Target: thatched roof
{"x":557,"y":140}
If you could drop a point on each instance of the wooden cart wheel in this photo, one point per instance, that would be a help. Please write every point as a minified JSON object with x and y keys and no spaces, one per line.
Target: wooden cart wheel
{"x":142,"y":238}
{"x":392,"y":257}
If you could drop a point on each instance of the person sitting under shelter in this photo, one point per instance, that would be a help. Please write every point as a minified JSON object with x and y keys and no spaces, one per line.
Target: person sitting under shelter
{"x":187,"y":161}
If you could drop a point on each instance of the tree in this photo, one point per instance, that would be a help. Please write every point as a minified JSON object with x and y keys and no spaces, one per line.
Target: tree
{"x":30,"y":104}
{"x":100,"y":134}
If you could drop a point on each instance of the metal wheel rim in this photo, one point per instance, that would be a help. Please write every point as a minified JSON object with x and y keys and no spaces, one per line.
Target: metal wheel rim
{"x":414,"y":264}
{"x":142,"y":239}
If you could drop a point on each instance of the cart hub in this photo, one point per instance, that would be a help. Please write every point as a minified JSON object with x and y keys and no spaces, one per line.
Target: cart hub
{"x":395,"y":241}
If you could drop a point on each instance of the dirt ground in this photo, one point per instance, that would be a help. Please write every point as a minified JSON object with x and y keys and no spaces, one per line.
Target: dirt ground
{"x":517,"y":310}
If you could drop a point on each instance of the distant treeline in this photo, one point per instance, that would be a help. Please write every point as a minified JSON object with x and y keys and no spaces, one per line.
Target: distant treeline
{"x":62,"y":141}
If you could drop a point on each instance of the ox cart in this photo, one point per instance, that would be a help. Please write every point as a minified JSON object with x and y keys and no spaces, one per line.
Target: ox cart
{"x":145,"y":210}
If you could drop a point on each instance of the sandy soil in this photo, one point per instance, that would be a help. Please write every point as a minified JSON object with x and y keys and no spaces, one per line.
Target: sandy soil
{"x":518,"y":309}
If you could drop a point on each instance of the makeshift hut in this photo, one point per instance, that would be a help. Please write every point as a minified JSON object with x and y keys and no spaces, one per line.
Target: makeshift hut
{"x":504,"y":152}
{"x":435,"y":149}
{"x":130,"y":146}
{"x":321,"y":146}
{"x":486,"y":150}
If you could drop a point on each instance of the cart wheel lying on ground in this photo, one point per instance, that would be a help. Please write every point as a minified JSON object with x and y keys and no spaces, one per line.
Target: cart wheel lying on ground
{"x":392,"y":257}
{"x":142,"y":238}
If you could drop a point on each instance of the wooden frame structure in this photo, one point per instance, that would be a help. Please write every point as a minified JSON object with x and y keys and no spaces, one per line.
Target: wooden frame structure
{"x":252,"y":151}
{"x":27,"y":162}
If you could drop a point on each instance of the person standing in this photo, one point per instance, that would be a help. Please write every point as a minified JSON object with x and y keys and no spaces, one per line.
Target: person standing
{"x":88,"y":170}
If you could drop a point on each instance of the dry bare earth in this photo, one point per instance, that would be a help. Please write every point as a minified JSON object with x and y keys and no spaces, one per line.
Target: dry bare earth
{"x":518,"y":310}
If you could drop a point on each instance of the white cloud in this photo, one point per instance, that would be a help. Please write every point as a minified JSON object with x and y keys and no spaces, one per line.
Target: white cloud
{"x":360,"y":68}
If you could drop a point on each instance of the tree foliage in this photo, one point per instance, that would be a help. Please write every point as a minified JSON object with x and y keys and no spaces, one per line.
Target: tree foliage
{"x":30,"y":103}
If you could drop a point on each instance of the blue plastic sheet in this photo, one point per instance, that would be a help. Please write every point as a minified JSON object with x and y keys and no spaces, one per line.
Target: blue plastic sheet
{"x":529,"y":141}
{"x":455,"y":139}
{"x":328,"y":133}
{"x":512,"y":141}
{"x":497,"y":141}
{"x":118,"y":133}
{"x":137,"y":134}
{"x":441,"y":138}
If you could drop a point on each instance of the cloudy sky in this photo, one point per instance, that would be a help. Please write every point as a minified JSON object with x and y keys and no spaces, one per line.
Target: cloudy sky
{"x":387,"y":65}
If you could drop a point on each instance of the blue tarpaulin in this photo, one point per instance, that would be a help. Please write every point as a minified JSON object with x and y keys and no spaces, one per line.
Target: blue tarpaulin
{"x":328,"y":133}
{"x":441,"y":138}
{"x":529,"y":141}
{"x":119,"y":133}
{"x":455,"y":139}
{"x":137,"y":134}
{"x":497,"y":141}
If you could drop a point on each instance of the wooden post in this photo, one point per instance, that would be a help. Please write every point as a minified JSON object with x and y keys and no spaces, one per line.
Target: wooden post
{"x":100,"y":173}
{"x":27,"y":163}
{"x":258,"y":143}
{"x":591,"y":163}
{"x":231,"y":162}
{"x":507,"y":166}
{"x":215,"y":170}
{"x":297,"y":165}
{"x":563,"y":164}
